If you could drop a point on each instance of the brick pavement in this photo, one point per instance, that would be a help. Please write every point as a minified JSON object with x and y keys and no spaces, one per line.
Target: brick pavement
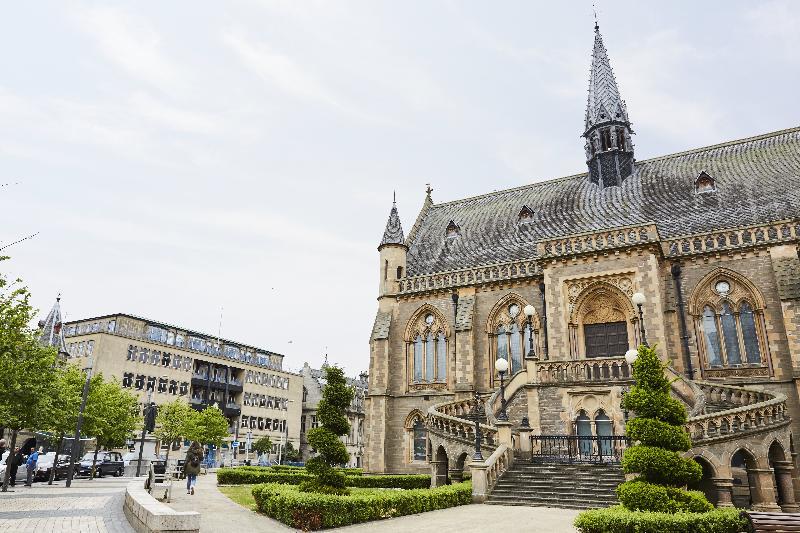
{"x":89,"y":506}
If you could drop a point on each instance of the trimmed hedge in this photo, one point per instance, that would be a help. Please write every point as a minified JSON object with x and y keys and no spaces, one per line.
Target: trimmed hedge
{"x":654,"y":432}
{"x":643,"y":496}
{"x":248,"y":476}
{"x":310,"y":511}
{"x":661,"y":466}
{"x":620,"y":520}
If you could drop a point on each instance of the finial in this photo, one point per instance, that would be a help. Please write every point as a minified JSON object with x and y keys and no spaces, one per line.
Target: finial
{"x":596,"y":25}
{"x":428,"y":189}
{"x":58,"y":298}
{"x":394,"y":197}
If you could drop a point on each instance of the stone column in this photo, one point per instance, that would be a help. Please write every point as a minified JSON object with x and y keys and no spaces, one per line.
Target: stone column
{"x":784,"y":471}
{"x":438,"y":473}
{"x":480,"y":482}
{"x":762,"y":490}
{"x":456,"y":475}
{"x":525,"y":438}
{"x":503,"y":433}
{"x":724,"y":489}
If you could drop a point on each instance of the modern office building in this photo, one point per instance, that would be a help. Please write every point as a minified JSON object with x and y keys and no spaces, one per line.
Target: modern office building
{"x":167,"y":362}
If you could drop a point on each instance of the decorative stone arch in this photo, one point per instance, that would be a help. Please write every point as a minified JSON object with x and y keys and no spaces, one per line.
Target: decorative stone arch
{"x":428,"y":365}
{"x":500,"y":317}
{"x":727,"y":311}
{"x":783,"y":473}
{"x":601,"y":302}
{"x":707,"y":483}
{"x":413,"y":423}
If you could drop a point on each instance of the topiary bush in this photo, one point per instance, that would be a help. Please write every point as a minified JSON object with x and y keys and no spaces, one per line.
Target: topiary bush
{"x":308,"y":511}
{"x":655,"y":499}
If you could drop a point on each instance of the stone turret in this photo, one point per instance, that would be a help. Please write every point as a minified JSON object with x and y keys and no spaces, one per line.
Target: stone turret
{"x":52,"y":333}
{"x":609,"y":150}
{"x":393,"y":252}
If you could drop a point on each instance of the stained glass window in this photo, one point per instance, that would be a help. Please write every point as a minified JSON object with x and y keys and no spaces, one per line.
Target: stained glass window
{"x":420,"y":441}
{"x":731,"y":335}
{"x":749,"y":335}
{"x":418,"y":359}
{"x":711,"y":335}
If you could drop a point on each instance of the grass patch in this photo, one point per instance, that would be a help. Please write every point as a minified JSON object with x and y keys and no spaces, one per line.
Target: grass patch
{"x":241,"y":494}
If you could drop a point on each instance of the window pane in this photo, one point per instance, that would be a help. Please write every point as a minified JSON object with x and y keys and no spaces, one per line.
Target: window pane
{"x":502,"y":343}
{"x":731,"y":335}
{"x":430,"y":358}
{"x":516,"y":350}
{"x":441,"y":358}
{"x":712,"y":337}
{"x":749,"y":336}
{"x":526,"y":339}
{"x":418,"y":359}
{"x":420,"y":440}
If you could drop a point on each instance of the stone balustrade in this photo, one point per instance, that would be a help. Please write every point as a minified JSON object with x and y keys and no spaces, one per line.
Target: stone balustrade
{"x":732,"y":239}
{"x":728,"y":394}
{"x":460,"y":429}
{"x":604,"y":370}
{"x":767,"y":412}
{"x":598,"y":241}
{"x":486,"y":474}
{"x":470,"y":276}
{"x":458,"y":408}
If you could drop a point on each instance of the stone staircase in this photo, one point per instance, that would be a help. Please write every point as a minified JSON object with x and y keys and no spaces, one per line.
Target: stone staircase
{"x":569,"y":486}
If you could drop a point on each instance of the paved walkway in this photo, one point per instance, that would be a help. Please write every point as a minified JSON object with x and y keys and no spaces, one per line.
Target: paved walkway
{"x":89,"y":506}
{"x":219,"y":513}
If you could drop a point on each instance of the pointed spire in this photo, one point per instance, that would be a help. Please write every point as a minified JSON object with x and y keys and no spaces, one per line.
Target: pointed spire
{"x":394,"y":230}
{"x":604,"y":103}
{"x":52,"y":330}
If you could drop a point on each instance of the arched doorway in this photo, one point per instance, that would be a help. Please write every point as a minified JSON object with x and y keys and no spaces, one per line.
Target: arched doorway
{"x":706,"y":483}
{"x":583,"y":429}
{"x":457,"y":473}
{"x":440,"y":464}
{"x":604,"y":430}
{"x":743,"y":466}
{"x":783,"y":474}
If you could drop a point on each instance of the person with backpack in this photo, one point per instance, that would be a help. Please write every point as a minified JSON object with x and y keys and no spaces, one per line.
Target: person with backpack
{"x":192,"y":466}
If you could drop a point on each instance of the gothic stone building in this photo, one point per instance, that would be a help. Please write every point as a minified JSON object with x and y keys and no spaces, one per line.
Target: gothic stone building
{"x":710,"y":238}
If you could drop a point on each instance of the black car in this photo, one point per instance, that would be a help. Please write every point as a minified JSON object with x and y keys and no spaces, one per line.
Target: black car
{"x":108,"y":464}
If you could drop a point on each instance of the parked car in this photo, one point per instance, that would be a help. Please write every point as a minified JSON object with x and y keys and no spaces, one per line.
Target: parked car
{"x":108,"y":463}
{"x":62,"y":467}
{"x":45,"y":464}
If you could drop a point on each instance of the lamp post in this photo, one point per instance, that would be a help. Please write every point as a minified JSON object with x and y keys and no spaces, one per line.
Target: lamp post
{"x":476,"y":414}
{"x":501,"y":365}
{"x":77,"y":442}
{"x":149,"y":425}
{"x":630,"y":357}
{"x":638,"y":300}
{"x":529,"y":312}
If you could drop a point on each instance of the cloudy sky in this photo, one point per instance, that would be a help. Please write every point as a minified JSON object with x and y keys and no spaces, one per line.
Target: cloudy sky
{"x":181,"y":157}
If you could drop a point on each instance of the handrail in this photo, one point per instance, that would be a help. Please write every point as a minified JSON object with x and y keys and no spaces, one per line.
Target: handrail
{"x":515,"y":383}
{"x":459,"y":428}
{"x":485,"y":474}
{"x":600,"y":369}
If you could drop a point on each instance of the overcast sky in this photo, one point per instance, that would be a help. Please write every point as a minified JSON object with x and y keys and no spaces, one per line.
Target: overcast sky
{"x":179,"y":157}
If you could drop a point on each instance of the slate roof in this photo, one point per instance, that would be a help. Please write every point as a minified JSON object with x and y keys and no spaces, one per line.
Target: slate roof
{"x":604,"y":103}
{"x":393,"y":234}
{"x":757,"y":181}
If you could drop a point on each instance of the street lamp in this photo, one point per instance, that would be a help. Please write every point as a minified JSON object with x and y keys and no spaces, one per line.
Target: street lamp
{"x":77,"y":442}
{"x":638,"y":300}
{"x":529,"y":312}
{"x":501,"y":365}
{"x":149,"y":425}
{"x":477,"y":415}
{"x":631,"y":356}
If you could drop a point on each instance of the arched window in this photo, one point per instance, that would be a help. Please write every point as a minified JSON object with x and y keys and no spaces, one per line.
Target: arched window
{"x":713,"y":350}
{"x":420,"y":440}
{"x":749,"y":335}
{"x":729,"y":318}
{"x":508,"y":324}
{"x":603,"y":428}
{"x":502,"y":343}
{"x":427,"y":348}
{"x":583,"y":429}
{"x":515,"y":344}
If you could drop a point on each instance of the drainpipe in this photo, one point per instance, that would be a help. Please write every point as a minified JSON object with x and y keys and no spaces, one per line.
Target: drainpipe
{"x":544,"y":322}
{"x":676,"y":277}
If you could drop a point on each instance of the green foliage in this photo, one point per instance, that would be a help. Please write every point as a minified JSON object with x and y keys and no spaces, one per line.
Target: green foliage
{"x":648,"y":404}
{"x":171,"y":422}
{"x":208,"y":426}
{"x":111,"y":413}
{"x":62,"y":406}
{"x":661,"y":466}
{"x":620,"y":520}
{"x":262,"y":445}
{"x":297,"y":476}
{"x":642,"y":496}
{"x":290,"y":453}
{"x":336,"y":398}
{"x":292,"y":468}
{"x":653,"y":432}
{"x":308,"y":510}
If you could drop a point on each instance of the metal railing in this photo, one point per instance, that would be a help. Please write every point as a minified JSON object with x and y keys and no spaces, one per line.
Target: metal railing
{"x":577,"y":449}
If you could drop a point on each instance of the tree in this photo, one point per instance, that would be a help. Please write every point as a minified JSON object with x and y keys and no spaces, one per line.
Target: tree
{"x":111,"y":414}
{"x":28,"y":368}
{"x":291,"y":453}
{"x":262,"y":445}
{"x":660,"y":436}
{"x":62,"y":406}
{"x":208,"y":426}
{"x":336,"y":398}
{"x":171,"y":422}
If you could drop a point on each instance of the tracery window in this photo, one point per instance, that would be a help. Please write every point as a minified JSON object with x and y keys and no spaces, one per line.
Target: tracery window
{"x":512,"y":333}
{"x":416,"y":437}
{"x":729,"y":320}
{"x":420,"y":440}
{"x":427,"y":346}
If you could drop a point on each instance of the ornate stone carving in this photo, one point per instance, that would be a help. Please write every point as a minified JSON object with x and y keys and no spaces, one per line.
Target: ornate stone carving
{"x":578,"y":289}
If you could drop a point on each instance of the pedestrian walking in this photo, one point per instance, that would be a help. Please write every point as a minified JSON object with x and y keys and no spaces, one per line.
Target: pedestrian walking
{"x":33,"y":458}
{"x":191,"y":466}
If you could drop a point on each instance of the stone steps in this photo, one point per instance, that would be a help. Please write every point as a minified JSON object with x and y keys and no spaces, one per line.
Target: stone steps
{"x":569,"y":486}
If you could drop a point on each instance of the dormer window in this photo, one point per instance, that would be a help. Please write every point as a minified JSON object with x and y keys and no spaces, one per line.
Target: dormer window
{"x":525,"y":215}
{"x":704,"y":184}
{"x":452,"y":230}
